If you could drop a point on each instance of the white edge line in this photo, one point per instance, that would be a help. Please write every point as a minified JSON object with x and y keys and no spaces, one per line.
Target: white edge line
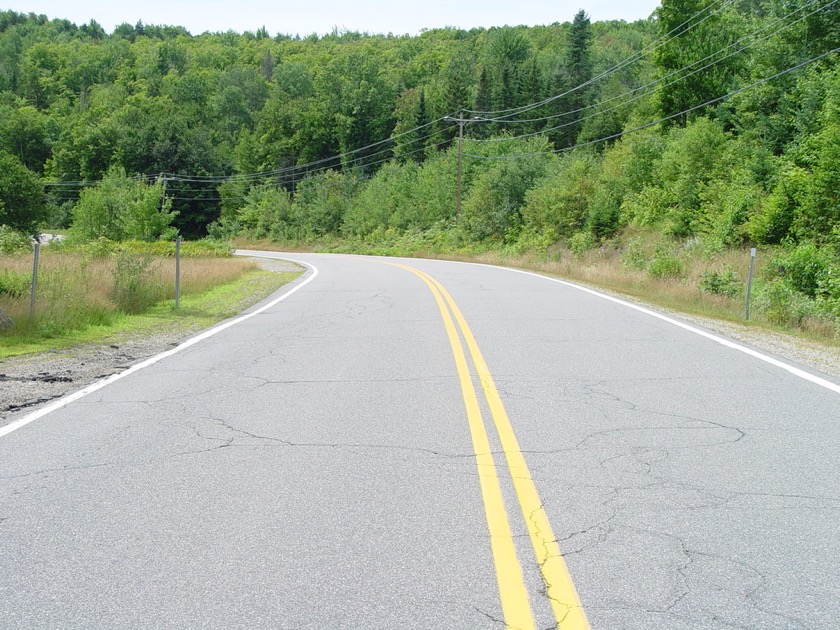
{"x":697,"y":331}
{"x":66,"y":400}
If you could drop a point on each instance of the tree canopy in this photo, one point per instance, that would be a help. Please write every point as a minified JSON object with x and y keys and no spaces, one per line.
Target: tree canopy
{"x":711,"y":120}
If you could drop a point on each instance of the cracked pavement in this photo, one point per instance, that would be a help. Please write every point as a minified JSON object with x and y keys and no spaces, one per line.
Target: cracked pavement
{"x":311,"y":467}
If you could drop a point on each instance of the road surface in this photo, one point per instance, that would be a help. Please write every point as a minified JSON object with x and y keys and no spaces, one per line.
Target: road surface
{"x":423,"y":444}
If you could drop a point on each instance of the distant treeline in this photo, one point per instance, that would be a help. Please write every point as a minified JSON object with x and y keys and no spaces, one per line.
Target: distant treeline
{"x":715,"y":119}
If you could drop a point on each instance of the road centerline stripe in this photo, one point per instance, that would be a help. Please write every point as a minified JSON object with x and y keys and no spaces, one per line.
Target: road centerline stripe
{"x":513,"y":593}
{"x":560,"y":589}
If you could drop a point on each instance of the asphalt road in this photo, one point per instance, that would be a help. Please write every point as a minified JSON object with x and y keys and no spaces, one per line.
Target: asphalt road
{"x":320,"y":464}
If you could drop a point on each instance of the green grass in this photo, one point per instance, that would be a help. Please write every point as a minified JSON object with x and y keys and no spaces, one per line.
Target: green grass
{"x":197,"y":311}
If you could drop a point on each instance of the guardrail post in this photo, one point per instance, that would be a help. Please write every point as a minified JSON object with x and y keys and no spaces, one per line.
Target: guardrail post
{"x":34,"y":281}
{"x":177,"y":273}
{"x":749,"y":282}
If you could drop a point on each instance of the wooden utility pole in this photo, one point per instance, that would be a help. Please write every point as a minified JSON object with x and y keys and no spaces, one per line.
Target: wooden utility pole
{"x":461,"y":122}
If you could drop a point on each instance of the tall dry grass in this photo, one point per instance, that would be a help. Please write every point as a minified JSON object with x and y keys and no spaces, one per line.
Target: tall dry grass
{"x":633,"y":267}
{"x":75,"y":291}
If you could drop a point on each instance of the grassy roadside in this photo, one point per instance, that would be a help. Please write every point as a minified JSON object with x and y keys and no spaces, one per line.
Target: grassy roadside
{"x":198,"y":309}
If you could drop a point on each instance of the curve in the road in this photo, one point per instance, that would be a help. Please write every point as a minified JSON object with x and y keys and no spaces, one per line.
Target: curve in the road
{"x":813,"y":378}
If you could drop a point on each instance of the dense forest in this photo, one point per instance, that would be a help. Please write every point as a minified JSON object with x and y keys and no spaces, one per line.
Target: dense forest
{"x":714,"y":121}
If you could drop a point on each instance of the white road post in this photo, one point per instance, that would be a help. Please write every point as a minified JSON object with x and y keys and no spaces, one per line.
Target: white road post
{"x":177,"y":273}
{"x":749,"y":281}
{"x":34,"y":280}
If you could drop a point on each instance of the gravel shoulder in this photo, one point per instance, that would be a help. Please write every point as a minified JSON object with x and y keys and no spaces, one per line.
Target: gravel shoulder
{"x":809,"y":354}
{"x":29,"y":381}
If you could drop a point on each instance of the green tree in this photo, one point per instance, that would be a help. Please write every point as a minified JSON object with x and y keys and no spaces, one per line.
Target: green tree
{"x":558,"y":204}
{"x":694,"y":61}
{"x":509,"y":49}
{"x":578,"y":71}
{"x":410,"y":129}
{"x":819,"y":212}
{"x":381,"y":201}
{"x":492,"y":208}
{"x":690,"y":161}
{"x":157,"y":137}
{"x":22,"y":204}
{"x":25,"y":133}
{"x":268,"y":213}
{"x":322,"y":201}
{"x":123,"y":208}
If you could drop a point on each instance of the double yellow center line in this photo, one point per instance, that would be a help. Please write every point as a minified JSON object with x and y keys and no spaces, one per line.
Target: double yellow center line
{"x":516,"y":604}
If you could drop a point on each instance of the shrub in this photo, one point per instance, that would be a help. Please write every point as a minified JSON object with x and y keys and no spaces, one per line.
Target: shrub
{"x":647,"y":206}
{"x":99,"y":248}
{"x":12,"y":241}
{"x":122,"y":207}
{"x":204,"y":249}
{"x":690,"y":161}
{"x":581,"y":242}
{"x":134,"y":291}
{"x":385,"y":201}
{"x":189,"y":249}
{"x":322,"y":201}
{"x":773,"y":220}
{"x":780,"y":304}
{"x":804,"y":268}
{"x":559,"y":202}
{"x":14,"y":284}
{"x":666,"y":267}
{"x":224,"y":229}
{"x":726,"y":208}
{"x":720,"y":283}
{"x":635,"y":256}
{"x":21,"y":195}
{"x":104,"y":247}
{"x":492,"y":207}
{"x":828,"y":297}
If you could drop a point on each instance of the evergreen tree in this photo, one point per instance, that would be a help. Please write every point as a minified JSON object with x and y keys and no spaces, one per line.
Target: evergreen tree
{"x":509,"y":49}
{"x":697,"y":37}
{"x":408,"y":135}
{"x":421,"y":121}
{"x":572,"y":80}
{"x":483,"y":103}
{"x":268,"y":66}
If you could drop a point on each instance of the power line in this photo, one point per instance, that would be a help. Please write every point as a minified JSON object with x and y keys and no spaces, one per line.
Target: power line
{"x":742,"y":40}
{"x":309,"y":165}
{"x":295,"y":169}
{"x":663,"y":119}
{"x":292,"y":174}
{"x":656,"y":84}
{"x":653,"y":46}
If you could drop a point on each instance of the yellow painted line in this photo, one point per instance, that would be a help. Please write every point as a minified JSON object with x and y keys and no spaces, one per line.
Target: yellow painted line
{"x":560,"y":589}
{"x":513,"y":593}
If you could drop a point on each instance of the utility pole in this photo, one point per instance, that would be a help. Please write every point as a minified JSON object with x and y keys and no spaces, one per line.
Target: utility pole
{"x":460,"y":162}
{"x":461,"y":121}
{"x":162,"y":180}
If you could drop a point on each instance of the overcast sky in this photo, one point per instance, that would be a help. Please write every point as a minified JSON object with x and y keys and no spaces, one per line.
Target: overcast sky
{"x":302,"y":17}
